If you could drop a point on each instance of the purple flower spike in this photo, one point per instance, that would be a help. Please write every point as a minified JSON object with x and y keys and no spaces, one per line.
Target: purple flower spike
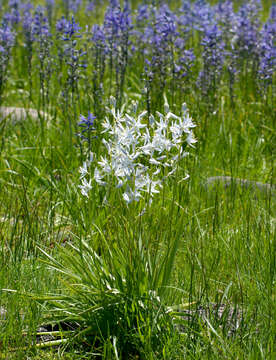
{"x":87,"y":123}
{"x":70,"y":29}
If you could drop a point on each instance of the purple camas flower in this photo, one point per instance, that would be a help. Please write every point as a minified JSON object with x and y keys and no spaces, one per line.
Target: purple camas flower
{"x":195,"y":15}
{"x":117,"y":24}
{"x":87,"y":123}
{"x":40,"y":26}
{"x":226,"y":18}
{"x":98,"y":35}
{"x":70,"y":32}
{"x":213,"y":58}
{"x":26,"y":7}
{"x":69,"y":52}
{"x":74,"y":5}
{"x":27,"y":24}
{"x":117,"y":27}
{"x":246,"y":28}
{"x":6,"y":38}
{"x":203,"y":15}
{"x":61,"y":25}
{"x":6,"y":42}
{"x":142,"y":13}
{"x":70,"y":29}
{"x":213,"y":47}
{"x":185,"y":63}
{"x":161,"y":29}
{"x":160,"y":35}
{"x":166,"y":22}
{"x":186,"y":16}
{"x":41,"y":36}
{"x":13,"y":17}
{"x":267,"y":53}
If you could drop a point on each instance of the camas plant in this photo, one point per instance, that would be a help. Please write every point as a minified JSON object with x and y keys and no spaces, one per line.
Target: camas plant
{"x":6,"y":43}
{"x":13,"y":16}
{"x":117,"y":26}
{"x":114,"y":300}
{"x":72,"y":56}
{"x":213,"y":58}
{"x":40,"y":32}
{"x":267,"y":55}
{"x":140,"y":152}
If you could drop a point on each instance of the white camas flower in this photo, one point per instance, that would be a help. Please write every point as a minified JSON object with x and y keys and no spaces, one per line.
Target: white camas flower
{"x":83,"y":170}
{"x":85,"y":187}
{"x":137,"y":148}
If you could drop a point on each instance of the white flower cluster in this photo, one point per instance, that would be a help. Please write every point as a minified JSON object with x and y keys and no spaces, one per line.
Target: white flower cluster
{"x":140,"y":151}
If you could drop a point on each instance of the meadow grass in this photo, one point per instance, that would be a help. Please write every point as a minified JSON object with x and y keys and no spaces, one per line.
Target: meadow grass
{"x":206,"y":244}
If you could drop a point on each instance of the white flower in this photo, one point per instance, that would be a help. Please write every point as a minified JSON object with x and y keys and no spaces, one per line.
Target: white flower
{"x":130,"y":195}
{"x":171,"y":115}
{"x":187,"y":123}
{"x":98,"y":177}
{"x":190,"y":139}
{"x":136,"y":124}
{"x":85,"y":187}
{"x":106,"y":125}
{"x":130,"y":143}
{"x":105,"y":165}
{"x":154,"y":162}
{"x":83,"y":170}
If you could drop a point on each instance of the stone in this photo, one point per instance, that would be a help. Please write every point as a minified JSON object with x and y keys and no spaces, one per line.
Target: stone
{"x":17,"y":114}
{"x":228,"y":181}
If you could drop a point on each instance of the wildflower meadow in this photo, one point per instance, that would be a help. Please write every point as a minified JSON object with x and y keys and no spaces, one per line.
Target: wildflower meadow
{"x":137,"y":179}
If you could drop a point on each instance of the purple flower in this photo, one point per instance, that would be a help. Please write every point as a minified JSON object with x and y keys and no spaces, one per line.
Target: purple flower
{"x":142,"y":13}
{"x":226,"y":18}
{"x":87,"y":123}
{"x":74,"y":5}
{"x":185,"y":63}
{"x":70,"y":29}
{"x":117,"y":24}
{"x":26,"y":7}
{"x":68,"y":52}
{"x":98,"y":36}
{"x":203,"y":15}
{"x":27,"y":23}
{"x":6,"y":43}
{"x":13,"y":17}
{"x":246,"y":29}
{"x":267,"y":53}
{"x":40,"y":26}
{"x":213,"y":59}
{"x":61,"y":25}
{"x":6,"y":37}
